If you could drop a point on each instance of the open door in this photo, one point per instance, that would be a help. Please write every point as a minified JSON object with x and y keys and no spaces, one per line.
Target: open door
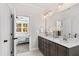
{"x":20,"y":32}
{"x":14,"y":38}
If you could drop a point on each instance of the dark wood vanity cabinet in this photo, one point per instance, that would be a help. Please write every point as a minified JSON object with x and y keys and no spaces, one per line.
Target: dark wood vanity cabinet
{"x":49,"y":48}
{"x":61,"y":50}
{"x":53,"y":49}
{"x":43,"y":46}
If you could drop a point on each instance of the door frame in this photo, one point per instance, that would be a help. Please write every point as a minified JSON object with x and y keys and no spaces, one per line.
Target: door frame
{"x":13,"y":29}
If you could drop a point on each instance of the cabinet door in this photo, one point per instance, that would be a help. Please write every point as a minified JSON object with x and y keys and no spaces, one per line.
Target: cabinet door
{"x":61,"y":50}
{"x":53,"y":49}
{"x":46,"y":47}
{"x":43,"y":45}
{"x":40,"y":43}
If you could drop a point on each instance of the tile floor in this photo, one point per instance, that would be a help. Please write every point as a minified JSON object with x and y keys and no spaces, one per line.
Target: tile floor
{"x":31,"y":53}
{"x":23,"y":50}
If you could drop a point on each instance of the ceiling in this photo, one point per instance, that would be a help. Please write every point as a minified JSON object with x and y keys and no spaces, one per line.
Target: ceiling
{"x":45,"y":6}
{"x":35,"y":7}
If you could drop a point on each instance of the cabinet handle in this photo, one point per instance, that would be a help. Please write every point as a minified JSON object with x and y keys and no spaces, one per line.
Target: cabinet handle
{"x":15,"y":38}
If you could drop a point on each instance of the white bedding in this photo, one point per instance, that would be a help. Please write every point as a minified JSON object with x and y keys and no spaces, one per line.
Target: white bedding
{"x":23,"y":39}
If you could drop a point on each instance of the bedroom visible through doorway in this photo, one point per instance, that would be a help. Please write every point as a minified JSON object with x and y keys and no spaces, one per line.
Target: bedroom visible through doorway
{"x":21,"y":34}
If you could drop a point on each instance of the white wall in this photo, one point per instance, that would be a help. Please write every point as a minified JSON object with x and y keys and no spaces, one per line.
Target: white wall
{"x":4,"y":29}
{"x":35,"y":24}
{"x":71,"y":15}
{"x":69,"y":19}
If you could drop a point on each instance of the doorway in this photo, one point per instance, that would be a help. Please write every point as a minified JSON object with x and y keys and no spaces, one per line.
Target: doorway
{"x":22,"y":33}
{"x":21,"y":36}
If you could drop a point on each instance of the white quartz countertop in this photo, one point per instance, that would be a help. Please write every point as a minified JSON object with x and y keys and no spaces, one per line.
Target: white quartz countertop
{"x":68,"y":44}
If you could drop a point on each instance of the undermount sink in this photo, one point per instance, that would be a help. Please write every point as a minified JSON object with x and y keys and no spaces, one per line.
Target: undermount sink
{"x":70,"y":40}
{"x":62,"y":40}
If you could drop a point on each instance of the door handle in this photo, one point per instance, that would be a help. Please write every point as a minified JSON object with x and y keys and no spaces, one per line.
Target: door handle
{"x":15,"y":38}
{"x":5,"y":41}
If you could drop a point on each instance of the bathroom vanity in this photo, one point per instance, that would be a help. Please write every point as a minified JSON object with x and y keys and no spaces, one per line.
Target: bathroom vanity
{"x":50,"y":46}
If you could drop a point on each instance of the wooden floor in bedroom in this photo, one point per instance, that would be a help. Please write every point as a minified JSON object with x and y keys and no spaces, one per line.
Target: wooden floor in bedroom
{"x":31,"y":53}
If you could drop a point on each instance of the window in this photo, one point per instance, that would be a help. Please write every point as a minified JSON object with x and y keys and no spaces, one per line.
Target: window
{"x":25,"y":27}
{"x":18,"y":27}
{"x":21,"y":27}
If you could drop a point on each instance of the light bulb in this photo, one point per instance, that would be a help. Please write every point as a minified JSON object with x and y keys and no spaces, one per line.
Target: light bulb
{"x":60,"y":7}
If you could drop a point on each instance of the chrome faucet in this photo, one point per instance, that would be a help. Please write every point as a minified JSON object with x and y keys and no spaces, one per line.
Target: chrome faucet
{"x":75,"y":35}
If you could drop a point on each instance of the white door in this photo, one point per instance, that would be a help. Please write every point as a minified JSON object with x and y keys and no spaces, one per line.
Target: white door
{"x":0,"y":49}
{"x":4,"y":30}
